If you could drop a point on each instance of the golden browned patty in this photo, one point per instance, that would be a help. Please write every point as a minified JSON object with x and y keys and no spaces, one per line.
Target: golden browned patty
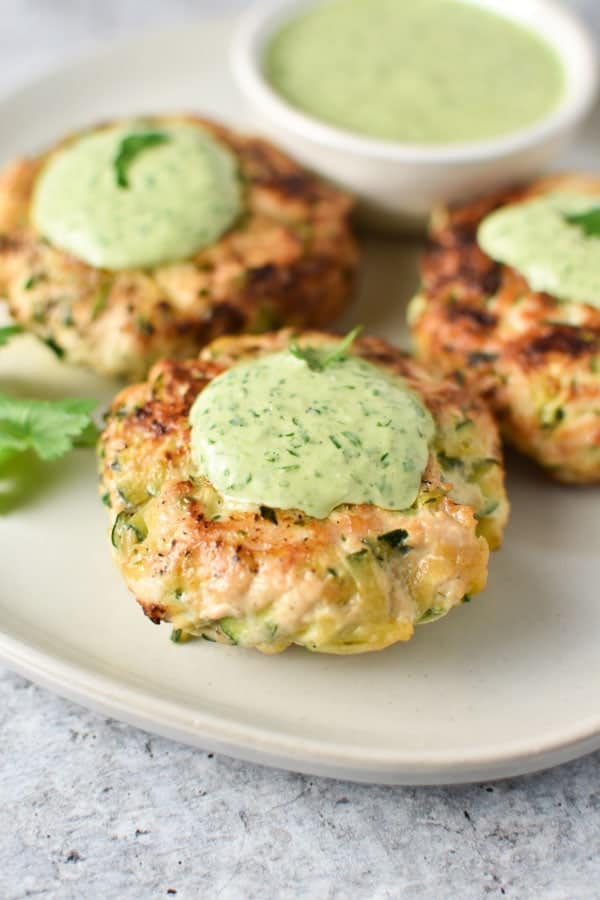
{"x":355,"y":581}
{"x":536,"y":358}
{"x":290,"y":259}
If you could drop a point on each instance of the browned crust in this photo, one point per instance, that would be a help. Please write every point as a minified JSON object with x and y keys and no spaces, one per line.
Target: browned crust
{"x":148,"y":430}
{"x":470,"y":291}
{"x":173,"y":385}
{"x":290,"y":260}
{"x":482,"y":319}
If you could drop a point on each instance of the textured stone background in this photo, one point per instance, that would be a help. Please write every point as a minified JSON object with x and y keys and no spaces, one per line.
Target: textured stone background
{"x":90,"y":807}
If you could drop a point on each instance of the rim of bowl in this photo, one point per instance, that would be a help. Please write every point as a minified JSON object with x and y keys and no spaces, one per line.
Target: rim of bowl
{"x":557,"y":26}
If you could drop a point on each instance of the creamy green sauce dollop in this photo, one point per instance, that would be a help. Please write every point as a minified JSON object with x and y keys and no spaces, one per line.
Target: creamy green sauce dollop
{"x":277,"y":433}
{"x":420,"y":71}
{"x":181,"y":195}
{"x":536,"y":239}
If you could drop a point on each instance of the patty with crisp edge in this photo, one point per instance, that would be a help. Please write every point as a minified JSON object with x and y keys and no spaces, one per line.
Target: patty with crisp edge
{"x":533,"y":356}
{"x":289,"y":259}
{"x":357,"y":580}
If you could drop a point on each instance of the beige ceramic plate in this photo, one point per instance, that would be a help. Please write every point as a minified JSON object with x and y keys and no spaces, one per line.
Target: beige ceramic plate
{"x":507,"y":684}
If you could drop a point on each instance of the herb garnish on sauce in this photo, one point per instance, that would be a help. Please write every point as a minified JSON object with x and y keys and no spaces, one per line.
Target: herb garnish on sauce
{"x":588,"y":221}
{"x":130,"y":147}
{"x":317,"y":360}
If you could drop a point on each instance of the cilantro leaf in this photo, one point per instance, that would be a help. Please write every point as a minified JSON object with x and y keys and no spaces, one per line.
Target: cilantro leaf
{"x":588,"y":221}
{"x":130,"y":147}
{"x":310,"y":355}
{"x":50,"y":429}
{"x":341,"y":351}
{"x":317,"y":360}
{"x":8,"y":331}
{"x":88,"y":437}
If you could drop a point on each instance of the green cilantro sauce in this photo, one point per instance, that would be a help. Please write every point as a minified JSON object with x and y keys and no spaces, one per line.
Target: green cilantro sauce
{"x":537,"y":239}
{"x":117,"y":200}
{"x":277,"y":432}
{"x":427,"y":71}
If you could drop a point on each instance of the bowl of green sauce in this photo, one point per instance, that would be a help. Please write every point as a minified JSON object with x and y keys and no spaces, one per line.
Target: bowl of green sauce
{"x":412,"y":103}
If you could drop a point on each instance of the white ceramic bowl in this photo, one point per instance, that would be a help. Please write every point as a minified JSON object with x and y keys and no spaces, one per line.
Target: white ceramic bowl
{"x":396,"y":183}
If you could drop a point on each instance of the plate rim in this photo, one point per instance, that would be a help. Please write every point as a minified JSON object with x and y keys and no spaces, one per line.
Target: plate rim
{"x":107,"y":695}
{"x":90,"y":49}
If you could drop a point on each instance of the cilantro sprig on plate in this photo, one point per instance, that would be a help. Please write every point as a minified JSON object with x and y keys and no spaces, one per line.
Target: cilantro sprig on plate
{"x":42,"y":429}
{"x":8,"y":331}
{"x":48,"y":428}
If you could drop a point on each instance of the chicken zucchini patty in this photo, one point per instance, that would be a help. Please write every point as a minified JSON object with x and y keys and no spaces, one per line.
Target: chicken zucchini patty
{"x":534,"y":355}
{"x":356,"y":580}
{"x":288,"y":256}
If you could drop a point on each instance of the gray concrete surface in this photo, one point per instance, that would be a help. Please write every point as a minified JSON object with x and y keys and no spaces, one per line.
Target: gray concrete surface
{"x":93,"y":808}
